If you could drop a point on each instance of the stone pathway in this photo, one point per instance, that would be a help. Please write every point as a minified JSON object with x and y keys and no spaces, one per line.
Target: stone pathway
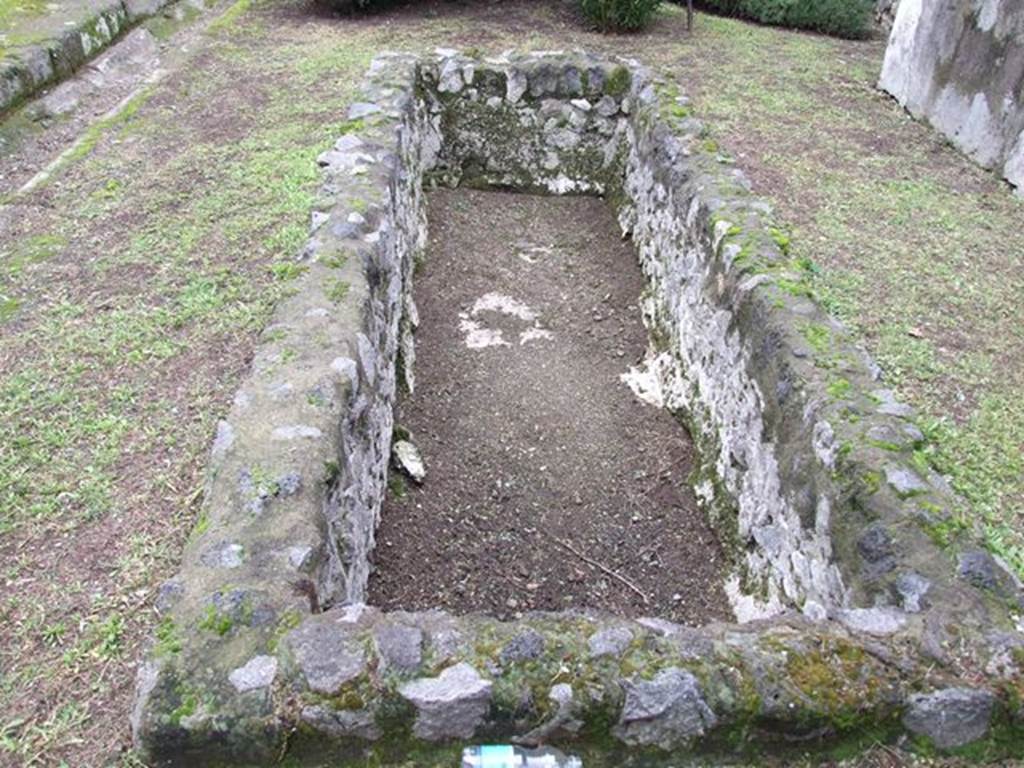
{"x":548,"y":483}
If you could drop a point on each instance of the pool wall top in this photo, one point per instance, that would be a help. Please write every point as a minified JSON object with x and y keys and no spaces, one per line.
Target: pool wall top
{"x":866,"y":610}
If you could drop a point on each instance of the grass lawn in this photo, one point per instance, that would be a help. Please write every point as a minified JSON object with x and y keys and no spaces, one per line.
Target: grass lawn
{"x":134,"y":283}
{"x":13,"y":17}
{"x":13,"y":11}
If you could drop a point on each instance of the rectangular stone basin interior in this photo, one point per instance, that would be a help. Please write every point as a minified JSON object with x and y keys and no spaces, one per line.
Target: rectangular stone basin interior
{"x":552,"y":479}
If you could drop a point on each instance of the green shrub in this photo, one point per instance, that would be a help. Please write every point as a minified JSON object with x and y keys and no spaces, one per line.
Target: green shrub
{"x":844,"y":18}
{"x":609,"y":15}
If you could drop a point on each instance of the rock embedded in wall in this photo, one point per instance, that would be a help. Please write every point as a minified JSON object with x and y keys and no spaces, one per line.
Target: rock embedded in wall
{"x":960,"y":65}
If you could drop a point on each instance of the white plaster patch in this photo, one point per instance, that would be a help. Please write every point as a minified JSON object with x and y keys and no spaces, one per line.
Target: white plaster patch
{"x":747,"y":607}
{"x":350,"y":614}
{"x":900,"y":55}
{"x":534,"y":334}
{"x":506,"y":305}
{"x":479,"y":336}
{"x":705,"y":492}
{"x":989,"y":15}
{"x":645,"y":382}
{"x":562,"y":185}
{"x":257,"y":673}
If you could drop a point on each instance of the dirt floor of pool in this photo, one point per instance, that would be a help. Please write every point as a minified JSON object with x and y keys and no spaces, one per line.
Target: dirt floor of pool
{"x":549,"y":485}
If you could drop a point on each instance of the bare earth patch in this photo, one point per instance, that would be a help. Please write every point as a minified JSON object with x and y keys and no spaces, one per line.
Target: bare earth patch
{"x":537,"y":453}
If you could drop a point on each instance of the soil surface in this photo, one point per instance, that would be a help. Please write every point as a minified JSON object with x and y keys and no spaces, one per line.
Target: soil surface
{"x":543,"y":469}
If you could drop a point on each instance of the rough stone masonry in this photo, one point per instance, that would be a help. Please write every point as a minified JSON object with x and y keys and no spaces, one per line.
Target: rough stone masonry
{"x":867,"y":611}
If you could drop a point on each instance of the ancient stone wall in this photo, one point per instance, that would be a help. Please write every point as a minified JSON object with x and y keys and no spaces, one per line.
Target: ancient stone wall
{"x":808,"y":470}
{"x":542,"y":125}
{"x":960,"y":65}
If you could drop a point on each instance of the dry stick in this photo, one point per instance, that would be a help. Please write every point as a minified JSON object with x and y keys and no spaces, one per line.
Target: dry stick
{"x":604,"y":568}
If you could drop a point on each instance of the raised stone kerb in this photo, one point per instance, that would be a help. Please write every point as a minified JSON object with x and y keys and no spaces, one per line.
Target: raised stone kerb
{"x":327,"y":654}
{"x":399,"y":646}
{"x":668,"y":711}
{"x":451,"y":705}
{"x":951,"y":717}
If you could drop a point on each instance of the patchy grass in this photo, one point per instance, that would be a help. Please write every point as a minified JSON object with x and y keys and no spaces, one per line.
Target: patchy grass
{"x":13,"y":13}
{"x":121,"y":121}
{"x":230,"y":16}
{"x":13,"y":10}
{"x":134,"y":283}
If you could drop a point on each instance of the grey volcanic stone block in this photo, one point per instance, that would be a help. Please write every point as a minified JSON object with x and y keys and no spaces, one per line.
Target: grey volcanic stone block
{"x":912,"y":588}
{"x":146,"y":678}
{"x":668,"y":711}
{"x":225,"y":554}
{"x":408,"y":459}
{"x":451,"y":705}
{"x":328,"y":655}
{"x":168,"y":594}
{"x":257,"y":673}
{"x":992,"y":573}
{"x":339,"y":724}
{"x":979,"y":568}
{"x":875,"y":547}
{"x":143,"y":9}
{"x":523,"y":647}
{"x":904,"y":481}
{"x":951,"y":717}
{"x":609,"y":642}
{"x":360,"y":110}
{"x":400,"y":647}
{"x":874,"y":621}
{"x":659,"y":626}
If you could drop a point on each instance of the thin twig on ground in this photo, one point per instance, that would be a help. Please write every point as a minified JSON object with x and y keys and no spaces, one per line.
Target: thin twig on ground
{"x":617,"y":576}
